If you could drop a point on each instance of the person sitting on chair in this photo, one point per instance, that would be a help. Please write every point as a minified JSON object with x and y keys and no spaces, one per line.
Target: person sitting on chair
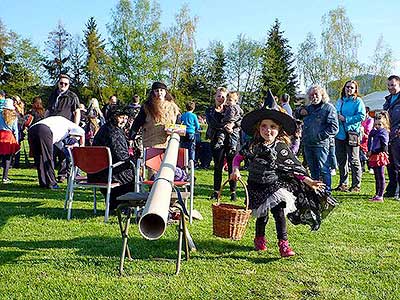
{"x":112,"y":135}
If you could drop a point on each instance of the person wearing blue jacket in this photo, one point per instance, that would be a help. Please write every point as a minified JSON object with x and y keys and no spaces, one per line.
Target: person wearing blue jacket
{"x":320,"y":123}
{"x":392,"y":106}
{"x":351,"y":112}
{"x":192,"y":126}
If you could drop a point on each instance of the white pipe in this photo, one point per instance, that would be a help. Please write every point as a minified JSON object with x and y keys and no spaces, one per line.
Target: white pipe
{"x":153,"y":222}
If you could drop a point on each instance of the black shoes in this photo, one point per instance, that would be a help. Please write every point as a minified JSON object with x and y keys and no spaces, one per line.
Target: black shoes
{"x":233,"y":196}
{"x":214,"y":196}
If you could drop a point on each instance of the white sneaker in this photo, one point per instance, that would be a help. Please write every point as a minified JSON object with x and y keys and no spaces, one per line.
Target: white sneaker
{"x":371,"y":171}
{"x":333,"y":172}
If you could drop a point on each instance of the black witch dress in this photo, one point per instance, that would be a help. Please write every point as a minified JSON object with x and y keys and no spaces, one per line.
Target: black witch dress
{"x":275,"y":178}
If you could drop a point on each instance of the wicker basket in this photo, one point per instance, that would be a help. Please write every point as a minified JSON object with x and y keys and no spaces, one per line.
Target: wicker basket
{"x":230,"y":221}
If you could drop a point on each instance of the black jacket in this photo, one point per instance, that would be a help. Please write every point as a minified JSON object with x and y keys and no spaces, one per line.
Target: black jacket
{"x":64,"y":104}
{"x":113,"y":137}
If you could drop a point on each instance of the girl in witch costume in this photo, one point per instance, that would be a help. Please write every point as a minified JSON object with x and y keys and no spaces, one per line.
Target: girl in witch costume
{"x":276,"y":176}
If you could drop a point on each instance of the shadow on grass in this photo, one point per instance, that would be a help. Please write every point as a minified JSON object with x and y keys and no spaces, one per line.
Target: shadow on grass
{"x":217,"y":248}
{"x":35,"y":192}
{"x":106,"y":247}
{"x":93,"y":246}
{"x":33,"y":208}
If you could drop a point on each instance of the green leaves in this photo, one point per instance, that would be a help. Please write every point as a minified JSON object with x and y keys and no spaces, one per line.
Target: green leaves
{"x":278,"y":71}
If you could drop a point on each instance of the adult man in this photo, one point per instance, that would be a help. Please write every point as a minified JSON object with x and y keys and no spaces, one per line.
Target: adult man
{"x":112,"y":101}
{"x":42,"y":136}
{"x":392,"y":106}
{"x":64,"y":102}
{"x":285,"y":103}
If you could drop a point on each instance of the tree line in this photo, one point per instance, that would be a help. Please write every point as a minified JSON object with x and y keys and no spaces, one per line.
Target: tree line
{"x":139,"y":51}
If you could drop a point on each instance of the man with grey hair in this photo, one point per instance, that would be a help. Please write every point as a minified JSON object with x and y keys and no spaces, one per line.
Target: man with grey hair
{"x":320,"y":124}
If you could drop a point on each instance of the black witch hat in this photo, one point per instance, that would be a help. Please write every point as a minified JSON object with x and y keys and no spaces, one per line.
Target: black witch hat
{"x":269,"y":110}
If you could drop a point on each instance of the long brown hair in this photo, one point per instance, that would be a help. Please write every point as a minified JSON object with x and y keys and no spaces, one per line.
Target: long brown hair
{"x":152,"y":105}
{"x":343,"y":93}
{"x":38,"y":106}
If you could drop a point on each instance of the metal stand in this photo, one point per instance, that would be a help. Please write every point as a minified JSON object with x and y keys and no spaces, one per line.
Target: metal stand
{"x":184,"y":238}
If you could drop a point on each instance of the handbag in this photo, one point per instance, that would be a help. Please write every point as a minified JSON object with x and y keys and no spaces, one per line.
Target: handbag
{"x":353,"y":138}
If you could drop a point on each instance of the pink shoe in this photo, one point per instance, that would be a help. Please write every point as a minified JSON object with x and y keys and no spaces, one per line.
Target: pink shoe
{"x":376,"y":199}
{"x":260,"y":243}
{"x":284,"y":249}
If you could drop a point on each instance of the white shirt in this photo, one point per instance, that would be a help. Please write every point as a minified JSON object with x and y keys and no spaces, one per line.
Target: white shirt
{"x":61,"y":127}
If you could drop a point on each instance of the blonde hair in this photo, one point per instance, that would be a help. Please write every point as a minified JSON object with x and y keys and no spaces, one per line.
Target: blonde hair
{"x":94,"y":105}
{"x":19,"y":104}
{"x":9,"y":116}
{"x":317,"y":87}
{"x":383,"y":116}
{"x":233,"y":95}
{"x":222,"y":89}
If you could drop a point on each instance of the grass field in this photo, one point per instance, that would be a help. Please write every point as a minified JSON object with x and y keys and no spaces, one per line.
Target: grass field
{"x":355,"y":254}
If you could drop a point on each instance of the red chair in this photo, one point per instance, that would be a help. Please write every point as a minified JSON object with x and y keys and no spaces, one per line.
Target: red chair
{"x":152,"y":158}
{"x":91,"y":159}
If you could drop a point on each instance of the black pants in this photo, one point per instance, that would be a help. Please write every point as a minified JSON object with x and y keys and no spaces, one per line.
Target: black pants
{"x":61,"y":162}
{"x":280,"y":223}
{"x":41,"y":141}
{"x":219,"y":155}
{"x":116,"y":192}
{"x":394,"y":167}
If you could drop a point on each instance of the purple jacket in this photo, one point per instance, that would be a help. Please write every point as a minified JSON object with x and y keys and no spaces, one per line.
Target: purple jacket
{"x":378,"y":140}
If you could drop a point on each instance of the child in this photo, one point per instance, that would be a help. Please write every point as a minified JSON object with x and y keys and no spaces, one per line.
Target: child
{"x":366,"y":127}
{"x":231,"y":120}
{"x":378,"y":157}
{"x":192,"y":126}
{"x":8,"y":136}
{"x":275,"y":176}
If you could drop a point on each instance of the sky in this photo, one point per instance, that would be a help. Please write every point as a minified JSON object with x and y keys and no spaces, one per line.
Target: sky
{"x":221,"y":20}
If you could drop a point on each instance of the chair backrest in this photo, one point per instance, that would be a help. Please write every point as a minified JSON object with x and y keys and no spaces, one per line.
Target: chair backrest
{"x":92,"y":159}
{"x":154,"y":156}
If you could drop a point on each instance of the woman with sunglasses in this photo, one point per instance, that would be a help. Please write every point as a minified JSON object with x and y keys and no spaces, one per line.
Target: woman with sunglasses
{"x":351,"y":112}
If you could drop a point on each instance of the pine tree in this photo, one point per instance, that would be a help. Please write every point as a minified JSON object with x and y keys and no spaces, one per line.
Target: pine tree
{"x":278,"y":70}
{"x":57,"y":45}
{"x":216,"y":63}
{"x":96,"y":58}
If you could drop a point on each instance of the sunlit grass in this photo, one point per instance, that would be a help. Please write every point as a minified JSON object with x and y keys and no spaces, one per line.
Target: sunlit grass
{"x":355,"y":254}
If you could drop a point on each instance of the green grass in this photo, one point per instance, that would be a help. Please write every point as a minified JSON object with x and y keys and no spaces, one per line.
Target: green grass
{"x":355,"y":254}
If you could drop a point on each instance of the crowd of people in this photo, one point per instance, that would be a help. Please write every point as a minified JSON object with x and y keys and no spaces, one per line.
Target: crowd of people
{"x":268,"y":139}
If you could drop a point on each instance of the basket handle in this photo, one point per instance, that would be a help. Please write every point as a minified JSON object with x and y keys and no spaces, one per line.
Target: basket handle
{"x":244,"y":187}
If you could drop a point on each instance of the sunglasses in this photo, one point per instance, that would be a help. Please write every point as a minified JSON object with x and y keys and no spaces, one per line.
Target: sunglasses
{"x":350,"y":87}
{"x":63,"y":83}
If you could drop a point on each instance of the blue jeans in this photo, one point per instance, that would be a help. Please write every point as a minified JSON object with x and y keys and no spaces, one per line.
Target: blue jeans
{"x":332,"y":157}
{"x":317,"y":159}
{"x":189,"y":142}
